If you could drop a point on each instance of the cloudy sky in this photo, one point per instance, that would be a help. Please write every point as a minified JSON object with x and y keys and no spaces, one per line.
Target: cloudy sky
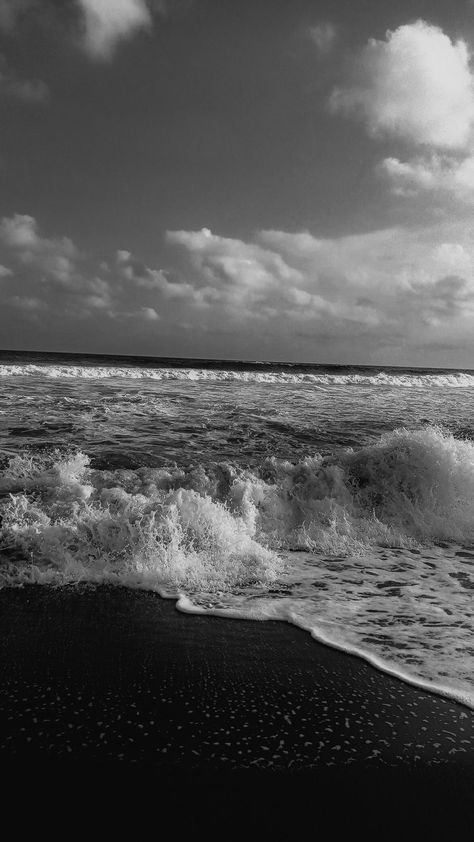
{"x":258,"y":179}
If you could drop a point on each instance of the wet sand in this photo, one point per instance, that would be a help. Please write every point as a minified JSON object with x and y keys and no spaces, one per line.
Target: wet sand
{"x":118,"y":691}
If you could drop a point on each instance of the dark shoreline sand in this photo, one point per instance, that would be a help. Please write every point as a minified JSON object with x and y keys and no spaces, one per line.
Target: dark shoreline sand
{"x":253,"y":719}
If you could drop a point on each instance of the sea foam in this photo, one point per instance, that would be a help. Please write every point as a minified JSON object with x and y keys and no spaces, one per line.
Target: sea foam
{"x":361,"y":548}
{"x":213,"y":526}
{"x":378,"y":378}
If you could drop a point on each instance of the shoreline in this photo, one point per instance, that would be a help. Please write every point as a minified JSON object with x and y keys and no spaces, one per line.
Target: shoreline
{"x":458,"y":697}
{"x":118,"y":683}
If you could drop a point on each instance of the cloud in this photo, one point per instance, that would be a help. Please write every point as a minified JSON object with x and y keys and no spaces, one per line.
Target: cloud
{"x":140,"y":275}
{"x":11,"y":11}
{"x":224,"y":263}
{"x":415,"y":85}
{"x":277,"y":293}
{"x":98,"y":26}
{"x":150,"y":314}
{"x":439,"y":174}
{"x":324,"y":37}
{"x":353,"y":295}
{"x":32,"y":91}
{"x":50,"y":270}
{"x":55,"y":258}
{"x":396,"y":277}
{"x":448,"y":296}
{"x":30,"y":307}
{"x":52,"y":276}
{"x":106,"y":23}
{"x":348,"y":284}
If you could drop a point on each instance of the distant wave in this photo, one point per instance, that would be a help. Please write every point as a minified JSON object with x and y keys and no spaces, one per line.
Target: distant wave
{"x":379,"y":378}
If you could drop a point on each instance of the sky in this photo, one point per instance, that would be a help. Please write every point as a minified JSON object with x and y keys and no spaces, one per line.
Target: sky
{"x":245,"y":179}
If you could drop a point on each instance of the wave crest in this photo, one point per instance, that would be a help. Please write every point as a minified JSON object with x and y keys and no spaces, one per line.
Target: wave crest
{"x":217,"y":527}
{"x":72,"y":527}
{"x":458,"y":379}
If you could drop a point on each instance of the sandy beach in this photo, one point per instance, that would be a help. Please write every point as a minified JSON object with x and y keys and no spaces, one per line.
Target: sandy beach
{"x":118,"y":686}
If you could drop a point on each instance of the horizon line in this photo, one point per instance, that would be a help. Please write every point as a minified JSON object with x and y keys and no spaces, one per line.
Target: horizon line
{"x":236,"y":360}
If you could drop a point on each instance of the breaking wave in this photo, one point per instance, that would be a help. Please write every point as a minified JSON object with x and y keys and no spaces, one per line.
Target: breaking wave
{"x":378,"y":378}
{"x":361,"y":548}
{"x":216,"y":527}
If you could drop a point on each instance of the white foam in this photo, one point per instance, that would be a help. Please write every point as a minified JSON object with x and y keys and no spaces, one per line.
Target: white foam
{"x":274,"y":611}
{"x":220,"y":537}
{"x":74,"y":530}
{"x":407,"y":488}
{"x":385,"y":379}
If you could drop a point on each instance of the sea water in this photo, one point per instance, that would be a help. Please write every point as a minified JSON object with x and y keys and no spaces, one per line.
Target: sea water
{"x":340,"y":499}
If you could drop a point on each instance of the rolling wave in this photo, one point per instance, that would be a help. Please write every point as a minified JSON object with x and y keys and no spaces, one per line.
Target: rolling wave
{"x":378,"y":378}
{"x":215,"y":526}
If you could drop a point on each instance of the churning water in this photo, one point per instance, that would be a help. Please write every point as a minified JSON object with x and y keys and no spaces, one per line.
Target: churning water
{"x":339,"y":499}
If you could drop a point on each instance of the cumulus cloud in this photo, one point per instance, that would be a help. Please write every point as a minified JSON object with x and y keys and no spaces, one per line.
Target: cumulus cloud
{"x":444,"y":175}
{"x":324,"y":37}
{"x":52,"y":277}
{"x":108,"y":22}
{"x":249,"y":281}
{"x":224,"y":263}
{"x":372,"y":282}
{"x":54,"y":258}
{"x":416,"y":85}
{"x":137,"y":273}
{"x":50,"y":274}
{"x":275,"y":292}
{"x":403,"y":278}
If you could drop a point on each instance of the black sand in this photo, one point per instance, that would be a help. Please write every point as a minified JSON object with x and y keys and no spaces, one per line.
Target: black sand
{"x":248,"y":722}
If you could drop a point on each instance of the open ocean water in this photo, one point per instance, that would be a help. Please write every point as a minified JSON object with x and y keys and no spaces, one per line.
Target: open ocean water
{"x":337,"y":498}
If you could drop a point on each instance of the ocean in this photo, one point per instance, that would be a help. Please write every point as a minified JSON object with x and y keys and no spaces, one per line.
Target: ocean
{"x":336,"y":498}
